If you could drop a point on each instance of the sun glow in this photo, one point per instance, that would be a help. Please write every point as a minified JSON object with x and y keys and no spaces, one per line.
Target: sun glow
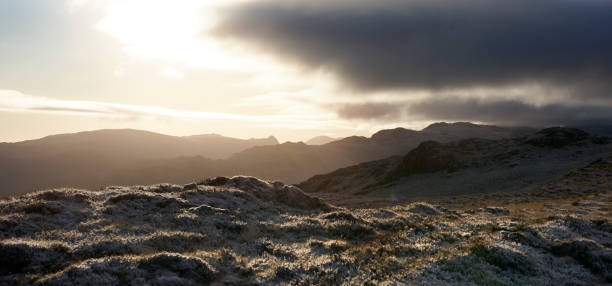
{"x":156,"y":29}
{"x":176,"y":32}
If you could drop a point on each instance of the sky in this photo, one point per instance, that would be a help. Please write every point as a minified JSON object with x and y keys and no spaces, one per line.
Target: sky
{"x":296,"y":69}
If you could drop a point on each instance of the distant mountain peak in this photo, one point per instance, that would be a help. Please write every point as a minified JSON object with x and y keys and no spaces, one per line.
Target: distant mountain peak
{"x":454,"y":124}
{"x":271,"y":140}
{"x":392,"y":133}
{"x":320,"y":140}
{"x":289,"y":143}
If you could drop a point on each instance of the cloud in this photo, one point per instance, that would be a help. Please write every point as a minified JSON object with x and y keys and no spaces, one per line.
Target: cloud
{"x":511,"y":112}
{"x":14,"y":101}
{"x":437,"y":44}
{"x":370,"y":111}
{"x":66,"y":110}
{"x":501,"y":112}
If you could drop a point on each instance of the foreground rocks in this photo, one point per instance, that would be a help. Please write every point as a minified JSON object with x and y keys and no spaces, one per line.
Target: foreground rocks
{"x":246,"y":231}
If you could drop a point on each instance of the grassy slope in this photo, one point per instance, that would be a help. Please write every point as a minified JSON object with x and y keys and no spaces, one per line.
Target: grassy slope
{"x":247,"y":231}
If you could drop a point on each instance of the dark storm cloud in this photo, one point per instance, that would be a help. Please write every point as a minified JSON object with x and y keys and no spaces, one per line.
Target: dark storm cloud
{"x":509,"y":112}
{"x":505,"y":112}
{"x":436,"y":44}
{"x":376,"y":111}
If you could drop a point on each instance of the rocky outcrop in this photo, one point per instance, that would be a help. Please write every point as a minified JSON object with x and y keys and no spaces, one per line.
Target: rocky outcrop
{"x":274,"y":192}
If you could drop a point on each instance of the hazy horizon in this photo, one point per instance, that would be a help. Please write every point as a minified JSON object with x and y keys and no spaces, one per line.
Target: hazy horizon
{"x":234,"y":137}
{"x":296,"y":70}
{"x":132,"y":129}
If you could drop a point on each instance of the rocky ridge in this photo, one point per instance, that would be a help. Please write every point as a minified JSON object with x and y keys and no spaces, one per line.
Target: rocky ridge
{"x":468,"y":166}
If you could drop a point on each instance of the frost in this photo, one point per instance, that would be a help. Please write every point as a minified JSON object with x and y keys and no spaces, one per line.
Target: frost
{"x":245,"y":231}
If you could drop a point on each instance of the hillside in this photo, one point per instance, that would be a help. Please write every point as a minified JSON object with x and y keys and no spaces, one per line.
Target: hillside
{"x":246,"y":231}
{"x":129,"y":144}
{"x":294,"y":162}
{"x":320,"y":140}
{"x":87,"y":159}
{"x":467,"y":166}
{"x":128,"y":157}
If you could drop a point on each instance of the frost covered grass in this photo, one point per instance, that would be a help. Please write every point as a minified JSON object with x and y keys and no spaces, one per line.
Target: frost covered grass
{"x":246,"y":231}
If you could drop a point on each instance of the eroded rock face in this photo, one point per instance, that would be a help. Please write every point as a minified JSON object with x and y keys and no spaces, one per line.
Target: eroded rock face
{"x":245,"y":231}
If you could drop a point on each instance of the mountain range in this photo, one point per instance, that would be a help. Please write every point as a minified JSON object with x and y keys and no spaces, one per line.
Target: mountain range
{"x":513,"y":207}
{"x":467,"y":166}
{"x":85,"y":158}
{"x":130,"y":157}
{"x":320,"y":140}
